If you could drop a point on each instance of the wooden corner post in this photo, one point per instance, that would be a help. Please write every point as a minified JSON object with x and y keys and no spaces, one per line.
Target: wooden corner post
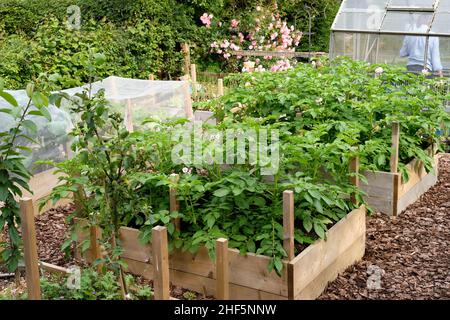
{"x":95,"y":236}
{"x":160,"y":253}
{"x":30,"y":249}
{"x":394,"y":166}
{"x":187,"y":58}
{"x":354,"y":178}
{"x":395,"y":146}
{"x":222,"y":270}
{"x":288,"y":223}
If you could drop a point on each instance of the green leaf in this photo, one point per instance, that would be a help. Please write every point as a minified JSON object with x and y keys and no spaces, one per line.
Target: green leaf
{"x":9,"y":98}
{"x":278,"y":264}
{"x":307,"y":224}
{"x":221,"y":192}
{"x":39,"y":100}
{"x":319,"y":230}
{"x":30,"y":125}
{"x":251,"y":247}
{"x":170,"y":228}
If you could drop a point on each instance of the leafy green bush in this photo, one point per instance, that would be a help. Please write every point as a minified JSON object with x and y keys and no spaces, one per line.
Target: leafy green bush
{"x":93,"y":286}
{"x":139,"y":37}
{"x":347,"y":101}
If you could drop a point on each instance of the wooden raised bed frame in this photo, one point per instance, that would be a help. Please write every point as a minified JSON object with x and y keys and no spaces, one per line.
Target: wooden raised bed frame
{"x":304,"y":276}
{"x":387,"y":192}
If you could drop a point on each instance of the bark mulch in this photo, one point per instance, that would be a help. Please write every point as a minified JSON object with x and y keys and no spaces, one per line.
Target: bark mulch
{"x":413,"y":250}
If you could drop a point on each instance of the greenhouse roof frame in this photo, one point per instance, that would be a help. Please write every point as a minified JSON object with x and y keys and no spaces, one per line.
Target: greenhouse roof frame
{"x":391,"y":17}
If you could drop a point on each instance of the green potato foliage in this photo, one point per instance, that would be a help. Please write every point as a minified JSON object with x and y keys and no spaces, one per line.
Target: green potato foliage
{"x":346,"y":102}
{"x":126,"y":179}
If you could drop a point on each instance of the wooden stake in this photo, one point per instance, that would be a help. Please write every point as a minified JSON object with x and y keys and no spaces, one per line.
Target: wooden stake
{"x":220,"y":87}
{"x":395,"y":146}
{"x":288,"y":223}
{"x":354,"y":179}
{"x":151,"y":77}
{"x":161,"y":283}
{"x":187,"y":58}
{"x":222,"y":270}
{"x":395,"y":195}
{"x":173,"y":202}
{"x":53,"y":268}
{"x":30,"y":249}
{"x":95,"y":236}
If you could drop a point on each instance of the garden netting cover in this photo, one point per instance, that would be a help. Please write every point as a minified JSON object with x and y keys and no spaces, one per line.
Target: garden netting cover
{"x":135,"y":99}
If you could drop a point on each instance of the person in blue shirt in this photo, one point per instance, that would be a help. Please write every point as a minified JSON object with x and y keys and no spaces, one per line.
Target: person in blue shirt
{"x":414,"y":48}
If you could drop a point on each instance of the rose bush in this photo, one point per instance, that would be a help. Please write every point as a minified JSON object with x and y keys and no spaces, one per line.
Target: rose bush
{"x":263,"y":31}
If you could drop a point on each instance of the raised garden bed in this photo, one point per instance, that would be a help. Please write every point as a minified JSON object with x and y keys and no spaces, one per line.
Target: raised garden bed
{"x":304,"y":277}
{"x":387,"y":192}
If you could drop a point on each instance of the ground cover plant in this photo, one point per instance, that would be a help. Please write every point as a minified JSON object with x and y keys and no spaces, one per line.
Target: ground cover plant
{"x":92,"y":286}
{"x":347,"y":101}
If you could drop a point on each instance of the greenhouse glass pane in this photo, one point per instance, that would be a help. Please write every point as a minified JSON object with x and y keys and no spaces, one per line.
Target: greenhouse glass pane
{"x":407,"y":22}
{"x":444,"y":6}
{"x":389,"y":50}
{"x":379,"y":5}
{"x":359,"y":21}
{"x":358,"y":46}
{"x":441,"y":24}
{"x":343,"y":44}
{"x":413,"y":3}
{"x":444,"y":46}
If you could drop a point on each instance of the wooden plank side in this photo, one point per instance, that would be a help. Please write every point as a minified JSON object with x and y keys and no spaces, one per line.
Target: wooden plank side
{"x":416,"y":191}
{"x":416,"y":172}
{"x":132,"y":247}
{"x":347,"y":258}
{"x":42,"y":185}
{"x":249,"y":270}
{"x":379,"y":191}
{"x":201,"y":284}
{"x":308,"y":267}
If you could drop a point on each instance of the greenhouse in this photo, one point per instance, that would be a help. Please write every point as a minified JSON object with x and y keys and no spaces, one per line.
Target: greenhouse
{"x":399,"y":32}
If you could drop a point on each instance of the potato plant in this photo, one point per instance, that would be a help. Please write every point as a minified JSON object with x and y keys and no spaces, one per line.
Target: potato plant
{"x":350,"y":102}
{"x":126,"y":178}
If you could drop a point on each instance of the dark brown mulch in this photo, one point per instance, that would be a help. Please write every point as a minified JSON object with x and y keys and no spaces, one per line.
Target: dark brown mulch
{"x":51,"y":232}
{"x":413,"y":249}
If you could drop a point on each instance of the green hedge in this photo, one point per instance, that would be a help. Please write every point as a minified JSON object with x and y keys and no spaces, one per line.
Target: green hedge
{"x":137,"y":36}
